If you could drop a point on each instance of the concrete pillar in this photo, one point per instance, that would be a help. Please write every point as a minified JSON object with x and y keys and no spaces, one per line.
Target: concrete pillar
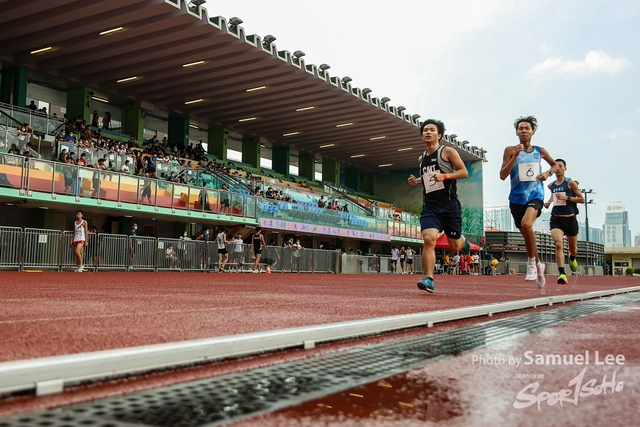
{"x":133,"y":122}
{"x":13,"y":86}
{"x":352,"y":178}
{"x":280,"y":157}
{"x":79,"y":103}
{"x":251,"y":151}
{"x":43,"y":218}
{"x":331,"y":171}
{"x":367,"y":182}
{"x":179,"y":130}
{"x":217,"y":142}
{"x":307,"y":167}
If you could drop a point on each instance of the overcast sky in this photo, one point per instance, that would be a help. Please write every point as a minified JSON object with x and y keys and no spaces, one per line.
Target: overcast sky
{"x":479,"y":64}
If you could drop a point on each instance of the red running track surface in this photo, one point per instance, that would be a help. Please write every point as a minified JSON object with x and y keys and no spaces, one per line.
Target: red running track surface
{"x":47,"y":314}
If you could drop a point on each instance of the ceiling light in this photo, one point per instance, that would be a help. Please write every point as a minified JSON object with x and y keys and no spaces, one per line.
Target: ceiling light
{"x":385,"y":165}
{"x":97,"y":98}
{"x":128,"y":79}
{"x":44,"y":49}
{"x":357,"y":155}
{"x":377,"y":137}
{"x":305,"y":108}
{"x":290,"y":133}
{"x":327,"y":145}
{"x":194,"y":101}
{"x":43,"y":207}
{"x":256,"y":88}
{"x":113,"y":30}
{"x":263,"y":146}
{"x":9,"y":204}
{"x":193,"y":126}
{"x":405,"y":149}
{"x":191,"y":64}
{"x":248,"y":119}
{"x":344,"y":124}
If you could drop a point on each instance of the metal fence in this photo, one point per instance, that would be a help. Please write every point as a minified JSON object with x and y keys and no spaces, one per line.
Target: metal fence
{"x":33,"y":248}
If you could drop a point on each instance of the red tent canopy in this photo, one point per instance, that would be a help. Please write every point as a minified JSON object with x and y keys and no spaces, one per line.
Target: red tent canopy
{"x":443,"y":243}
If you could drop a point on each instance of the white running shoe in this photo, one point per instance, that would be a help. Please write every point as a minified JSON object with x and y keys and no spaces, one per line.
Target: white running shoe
{"x":80,"y":268}
{"x":540,"y":280}
{"x":532,"y":273}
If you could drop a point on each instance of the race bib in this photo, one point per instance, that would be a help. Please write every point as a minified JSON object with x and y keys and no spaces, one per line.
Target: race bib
{"x":528,"y":172}
{"x":430,"y":183}
{"x":556,"y":201}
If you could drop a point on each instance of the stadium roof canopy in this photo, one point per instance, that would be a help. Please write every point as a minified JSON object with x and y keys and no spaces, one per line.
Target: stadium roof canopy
{"x":171,"y":55}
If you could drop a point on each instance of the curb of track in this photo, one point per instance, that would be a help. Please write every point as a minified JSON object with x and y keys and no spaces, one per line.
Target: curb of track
{"x":49,"y":375}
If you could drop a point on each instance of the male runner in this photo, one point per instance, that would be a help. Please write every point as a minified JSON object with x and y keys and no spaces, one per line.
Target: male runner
{"x":440,"y":167}
{"x":565,"y":195}
{"x":257,"y":243}
{"x":522,"y":163}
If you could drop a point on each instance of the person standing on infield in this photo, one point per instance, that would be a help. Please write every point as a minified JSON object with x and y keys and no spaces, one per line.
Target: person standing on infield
{"x":257,"y":243}
{"x":565,"y":195}
{"x":80,"y":239}
{"x":440,"y":168}
{"x":522,"y":163}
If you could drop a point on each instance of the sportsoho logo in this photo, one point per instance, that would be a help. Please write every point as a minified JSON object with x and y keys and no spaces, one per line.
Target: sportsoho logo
{"x":578,"y":387}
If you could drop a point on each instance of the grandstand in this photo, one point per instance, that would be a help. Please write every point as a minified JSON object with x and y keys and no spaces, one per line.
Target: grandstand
{"x":226,"y":108}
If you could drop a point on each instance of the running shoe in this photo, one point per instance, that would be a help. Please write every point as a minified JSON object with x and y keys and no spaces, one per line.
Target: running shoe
{"x":540,"y":280}
{"x":562,"y":279}
{"x":80,"y":269}
{"x":427,"y":284}
{"x":573,"y":265}
{"x":532,"y":272}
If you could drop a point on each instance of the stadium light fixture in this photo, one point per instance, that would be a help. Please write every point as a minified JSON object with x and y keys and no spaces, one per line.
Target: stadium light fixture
{"x":111,"y":31}
{"x":344,"y":124}
{"x":253,"y":89}
{"x":193,"y":126}
{"x":385,"y":165}
{"x":346,"y":79}
{"x":290,"y":133}
{"x":384,"y":100}
{"x":305,"y":108}
{"x":97,"y":98}
{"x":401,"y":108}
{"x":194,"y":101}
{"x":405,"y":149}
{"x":366,"y":91}
{"x":298,"y":54}
{"x":191,"y":64}
{"x":267,"y":40}
{"x":327,"y":145}
{"x":197,"y":3}
{"x":44,"y":49}
{"x":415,"y":116}
{"x":375,"y":138}
{"x":357,"y":155}
{"x":233,"y":23}
{"x":128,"y":79}
{"x":248,"y":119}
{"x":324,"y":67}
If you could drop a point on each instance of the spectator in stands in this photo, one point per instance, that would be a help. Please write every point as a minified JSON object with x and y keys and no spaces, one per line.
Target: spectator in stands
{"x":82,"y":160}
{"x":321,"y":202}
{"x":224,"y":200}
{"x":24,"y":133}
{"x":95,"y":119}
{"x":70,"y":138}
{"x":96,"y":177}
{"x":125,"y":168}
{"x":106,"y":120}
{"x":151,"y":165}
{"x":32,"y":106}
{"x":270,"y":193}
{"x":345,"y":208}
{"x":146,"y":189}
{"x":203,"y":198}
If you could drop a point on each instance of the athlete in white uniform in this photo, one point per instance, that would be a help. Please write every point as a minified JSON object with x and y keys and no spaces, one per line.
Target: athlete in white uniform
{"x":80,"y":239}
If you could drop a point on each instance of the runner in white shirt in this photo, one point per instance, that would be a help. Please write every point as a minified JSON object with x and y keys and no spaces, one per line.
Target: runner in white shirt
{"x":238,"y":252}
{"x":80,"y":239}
{"x":409,"y":253}
{"x":395,"y":254}
{"x":221,"y":243}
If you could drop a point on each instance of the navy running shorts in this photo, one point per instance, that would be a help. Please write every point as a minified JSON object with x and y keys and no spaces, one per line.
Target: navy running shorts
{"x":445,"y":218}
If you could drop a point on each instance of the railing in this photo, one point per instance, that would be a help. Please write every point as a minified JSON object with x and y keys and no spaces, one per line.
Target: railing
{"x":45,"y":249}
{"x":12,"y":117}
{"x":319,"y":216}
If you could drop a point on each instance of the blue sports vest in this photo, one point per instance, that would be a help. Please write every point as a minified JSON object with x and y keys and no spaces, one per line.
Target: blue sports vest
{"x":524,"y":185}
{"x":570,"y":207}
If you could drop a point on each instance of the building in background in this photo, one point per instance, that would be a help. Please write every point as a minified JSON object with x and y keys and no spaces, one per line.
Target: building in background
{"x":596,"y":235}
{"x":636,"y":240}
{"x":542,"y":223}
{"x":498,"y":218}
{"x":616,"y":226}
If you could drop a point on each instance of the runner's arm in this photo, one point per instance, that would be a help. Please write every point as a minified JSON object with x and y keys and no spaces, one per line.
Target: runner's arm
{"x":508,"y":160}
{"x":547,"y":157}
{"x":579,"y":197}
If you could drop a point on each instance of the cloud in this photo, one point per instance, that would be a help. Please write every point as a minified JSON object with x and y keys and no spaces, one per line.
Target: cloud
{"x":594,"y":62}
{"x":619,"y":133}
